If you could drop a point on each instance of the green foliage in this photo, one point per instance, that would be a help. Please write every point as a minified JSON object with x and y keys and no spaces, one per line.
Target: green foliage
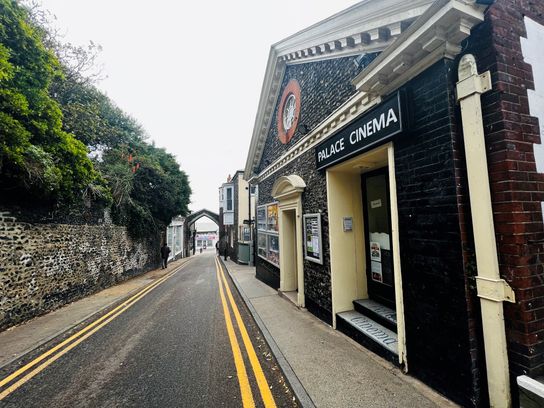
{"x":37,"y":158}
{"x":148,"y":187}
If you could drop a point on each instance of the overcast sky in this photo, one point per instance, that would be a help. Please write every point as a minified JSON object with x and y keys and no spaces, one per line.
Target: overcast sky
{"x":189,"y":71}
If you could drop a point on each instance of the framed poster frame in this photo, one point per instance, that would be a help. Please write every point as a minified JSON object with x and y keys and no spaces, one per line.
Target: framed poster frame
{"x":315,"y":238}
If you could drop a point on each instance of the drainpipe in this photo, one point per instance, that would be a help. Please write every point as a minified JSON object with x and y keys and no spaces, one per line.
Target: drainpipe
{"x":492,"y":290}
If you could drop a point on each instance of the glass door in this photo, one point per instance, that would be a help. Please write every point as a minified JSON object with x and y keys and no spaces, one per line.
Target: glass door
{"x":381,"y":284}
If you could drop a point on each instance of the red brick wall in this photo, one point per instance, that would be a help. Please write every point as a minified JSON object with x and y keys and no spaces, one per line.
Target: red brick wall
{"x":517,"y":188}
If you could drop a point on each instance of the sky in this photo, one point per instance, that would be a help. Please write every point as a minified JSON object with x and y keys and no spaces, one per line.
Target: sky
{"x":189,"y":71}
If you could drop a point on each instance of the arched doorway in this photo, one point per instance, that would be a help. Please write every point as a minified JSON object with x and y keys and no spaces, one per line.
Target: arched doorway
{"x":190,"y":230}
{"x":287,"y":190}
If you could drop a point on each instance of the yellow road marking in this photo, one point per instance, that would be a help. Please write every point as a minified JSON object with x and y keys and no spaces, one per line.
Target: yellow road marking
{"x":245,"y":389}
{"x":104,"y":319}
{"x":264,"y":388}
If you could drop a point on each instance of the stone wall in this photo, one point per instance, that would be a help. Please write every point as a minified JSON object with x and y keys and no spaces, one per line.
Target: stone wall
{"x":44,"y":266}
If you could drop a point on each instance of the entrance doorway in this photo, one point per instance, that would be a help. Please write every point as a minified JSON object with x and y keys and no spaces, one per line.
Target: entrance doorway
{"x":289,"y":283}
{"x":287,"y":190}
{"x":379,"y":256}
{"x":366,"y":282}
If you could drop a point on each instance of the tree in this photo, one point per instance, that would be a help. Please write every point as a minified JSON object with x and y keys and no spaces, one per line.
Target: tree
{"x":37,"y":157}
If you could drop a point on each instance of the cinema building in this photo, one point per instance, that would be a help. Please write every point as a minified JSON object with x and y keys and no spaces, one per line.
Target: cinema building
{"x":397,"y":154}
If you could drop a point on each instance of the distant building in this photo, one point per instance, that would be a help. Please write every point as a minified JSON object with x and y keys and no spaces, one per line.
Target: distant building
{"x":206,"y":235}
{"x":237,"y":207}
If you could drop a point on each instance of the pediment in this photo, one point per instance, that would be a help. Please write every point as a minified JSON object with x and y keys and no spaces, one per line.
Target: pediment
{"x":288,"y":186}
{"x":369,"y":26}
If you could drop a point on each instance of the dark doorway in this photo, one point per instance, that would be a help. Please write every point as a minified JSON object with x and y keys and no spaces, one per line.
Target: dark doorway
{"x":379,"y":256}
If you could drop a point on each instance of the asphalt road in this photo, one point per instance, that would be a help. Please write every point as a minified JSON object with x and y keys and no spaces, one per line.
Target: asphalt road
{"x":170,"y":348}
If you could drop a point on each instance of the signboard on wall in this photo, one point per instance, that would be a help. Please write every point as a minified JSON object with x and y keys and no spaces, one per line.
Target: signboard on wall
{"x":378,"y":125}
{"x":313,"y":242}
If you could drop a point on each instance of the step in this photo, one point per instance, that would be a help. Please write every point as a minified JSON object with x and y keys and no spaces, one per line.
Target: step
{"x":377,"y":312}
{"x":369,"y":333}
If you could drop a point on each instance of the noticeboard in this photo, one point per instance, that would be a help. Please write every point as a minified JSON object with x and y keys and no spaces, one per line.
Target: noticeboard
{"x":313,"y":245}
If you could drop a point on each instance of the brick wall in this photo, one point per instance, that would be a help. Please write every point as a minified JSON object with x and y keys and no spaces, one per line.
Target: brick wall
{"x":44,"y":266}
{"x":517,"y":188}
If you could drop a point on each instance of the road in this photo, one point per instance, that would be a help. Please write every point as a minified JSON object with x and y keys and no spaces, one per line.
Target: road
{"x":177,"y":343}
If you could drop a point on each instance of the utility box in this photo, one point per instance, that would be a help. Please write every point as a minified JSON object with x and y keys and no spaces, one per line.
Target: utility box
{"x":243,"y":252}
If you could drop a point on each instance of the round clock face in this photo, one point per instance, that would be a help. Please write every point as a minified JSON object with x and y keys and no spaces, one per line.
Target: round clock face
{"x":289,"y":111}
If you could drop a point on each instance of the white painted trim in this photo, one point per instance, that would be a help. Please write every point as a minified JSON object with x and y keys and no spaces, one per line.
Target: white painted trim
{"x":399,"y":295}
{"x":529,"y":384}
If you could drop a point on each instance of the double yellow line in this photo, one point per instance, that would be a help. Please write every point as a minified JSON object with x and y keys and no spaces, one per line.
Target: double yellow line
{"x":245,"y":388}
{"x":59,"y":350}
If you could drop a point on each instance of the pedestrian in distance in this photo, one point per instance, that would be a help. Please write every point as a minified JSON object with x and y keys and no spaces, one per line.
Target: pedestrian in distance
{"x":165,"y":252}
{"x":217,"y":248}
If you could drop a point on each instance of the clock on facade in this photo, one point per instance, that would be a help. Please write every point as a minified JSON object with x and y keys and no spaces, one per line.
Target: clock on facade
{"x":289,"y":111}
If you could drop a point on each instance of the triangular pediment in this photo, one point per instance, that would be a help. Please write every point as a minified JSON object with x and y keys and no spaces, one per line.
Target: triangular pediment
{"x":369,"y":26}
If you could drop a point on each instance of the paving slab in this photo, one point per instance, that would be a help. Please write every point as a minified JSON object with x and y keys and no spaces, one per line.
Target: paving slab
{"x":334,"y":370}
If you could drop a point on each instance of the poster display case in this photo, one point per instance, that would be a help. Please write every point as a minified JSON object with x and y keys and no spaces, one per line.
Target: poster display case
{"x":313,"y":242}
{"x":268,"y":241}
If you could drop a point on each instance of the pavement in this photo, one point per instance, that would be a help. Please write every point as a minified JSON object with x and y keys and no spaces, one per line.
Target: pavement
{"x":324,"y":367}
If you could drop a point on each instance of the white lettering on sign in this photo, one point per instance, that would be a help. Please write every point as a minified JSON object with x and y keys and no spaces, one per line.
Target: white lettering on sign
{"x":373,"y":126}
{"x":334,"y":148}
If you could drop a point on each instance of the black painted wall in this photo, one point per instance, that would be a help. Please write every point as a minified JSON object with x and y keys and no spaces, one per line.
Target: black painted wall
{"x":433,"y":275}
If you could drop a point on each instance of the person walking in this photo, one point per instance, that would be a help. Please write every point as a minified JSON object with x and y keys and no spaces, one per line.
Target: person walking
{"x":223,"y":248}
{"x":165,"y":252}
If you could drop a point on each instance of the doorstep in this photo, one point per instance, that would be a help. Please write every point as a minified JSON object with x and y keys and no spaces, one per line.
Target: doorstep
{"x":369,"y":334}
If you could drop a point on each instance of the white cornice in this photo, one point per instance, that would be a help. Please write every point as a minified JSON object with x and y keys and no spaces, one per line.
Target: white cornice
{"x":437,"y":34}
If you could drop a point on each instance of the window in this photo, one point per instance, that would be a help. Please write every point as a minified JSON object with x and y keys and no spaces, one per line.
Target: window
{"x":268,"y":242}
{"x":229,"y":199}
{"x":253,"y":190}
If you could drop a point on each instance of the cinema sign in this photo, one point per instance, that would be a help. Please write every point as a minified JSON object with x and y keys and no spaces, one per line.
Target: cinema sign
{"x":379,"y":124}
